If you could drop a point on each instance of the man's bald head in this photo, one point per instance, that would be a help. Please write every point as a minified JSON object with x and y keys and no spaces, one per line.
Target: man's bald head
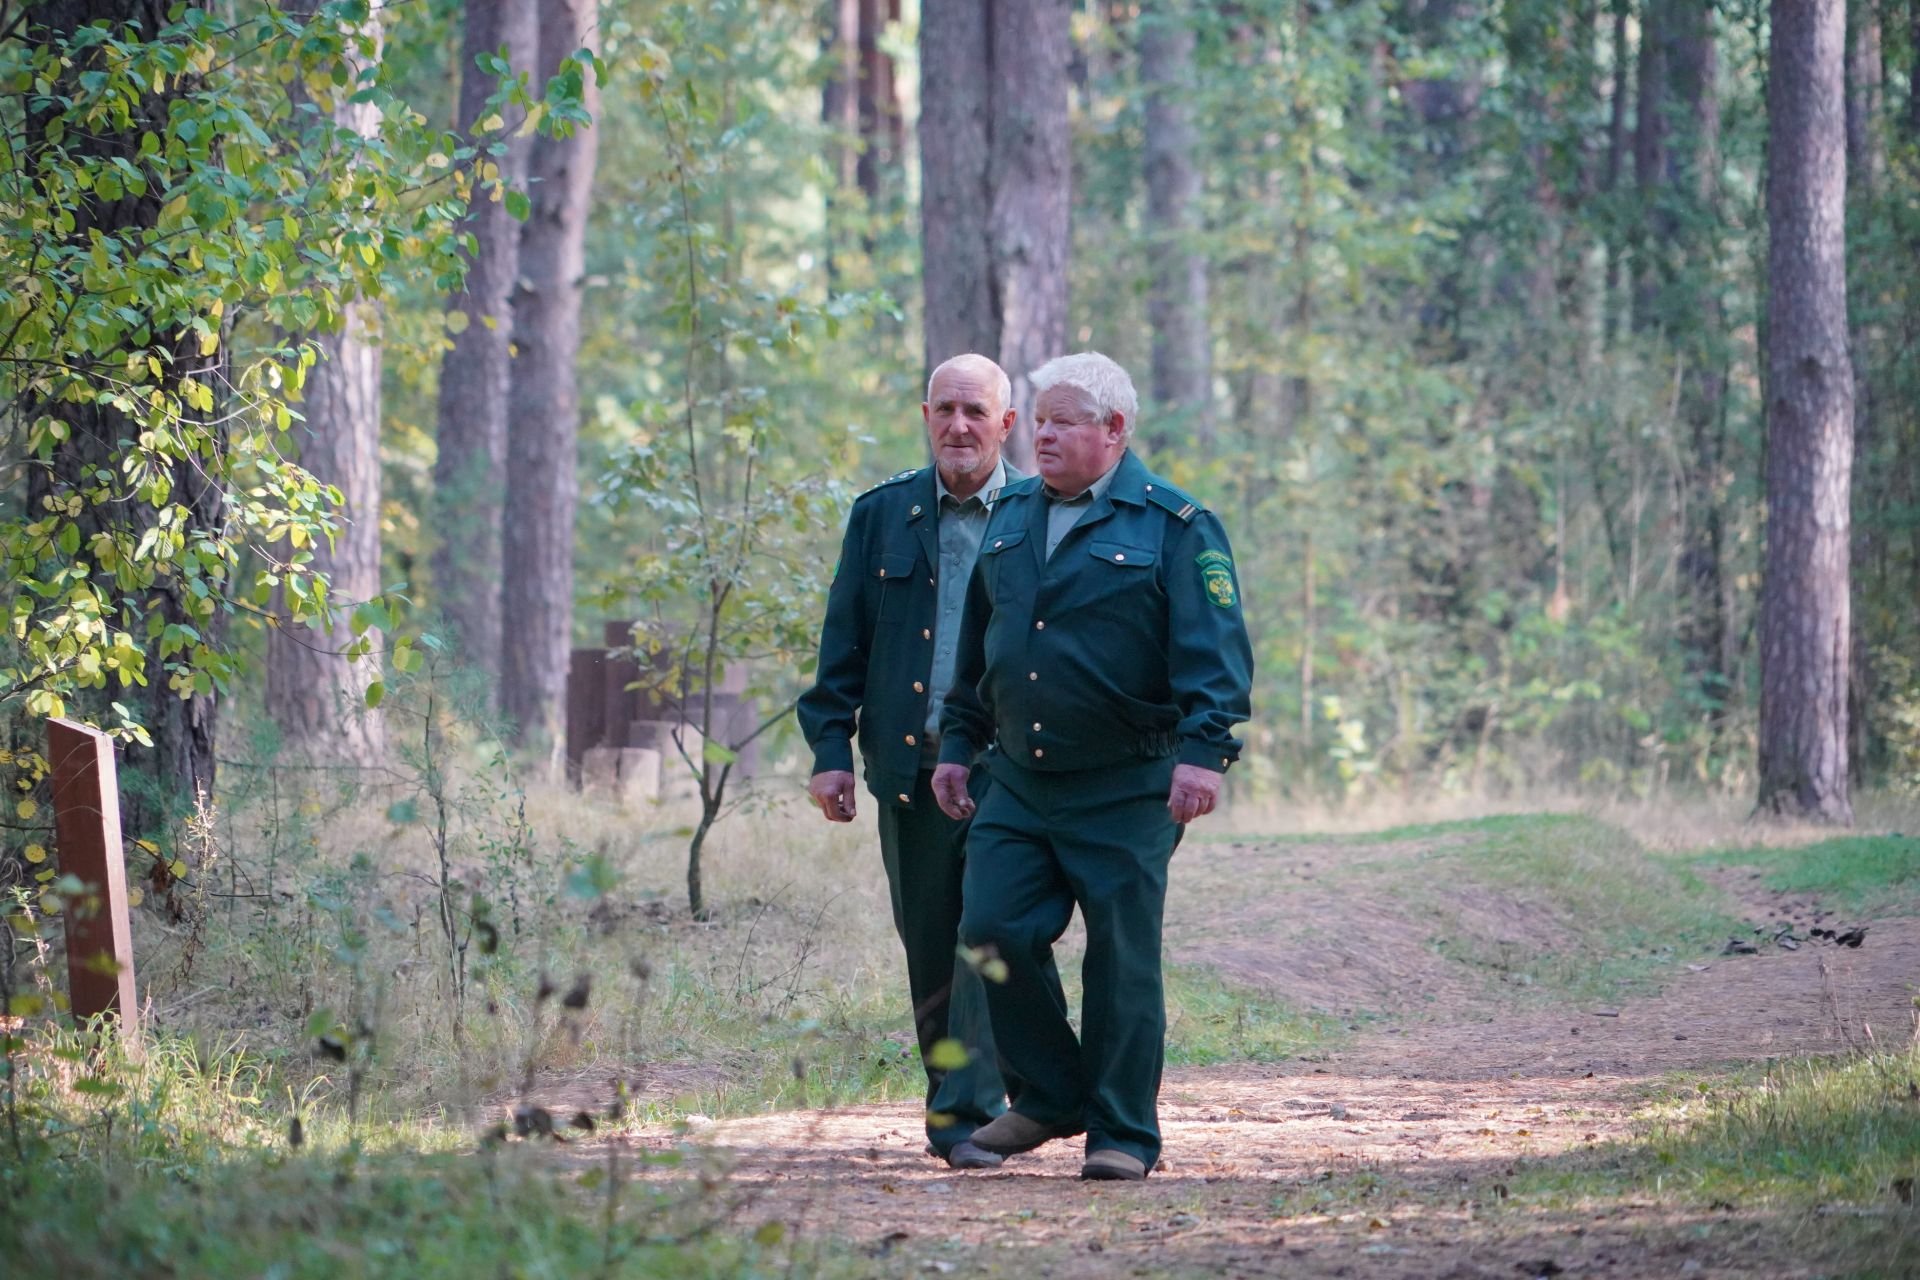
{"x":967,"y":420}
{"x":976,"y":365}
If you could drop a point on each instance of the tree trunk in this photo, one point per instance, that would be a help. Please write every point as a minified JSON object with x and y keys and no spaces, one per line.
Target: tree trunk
{"x":1033,"y":183}
{"x":878,"y":107}
{"x":995,"y":185}
{"x":543,"y":406}
{"x":839,"y":92}
{"x":1863,"y":170}
{"x":159,"y":784}
{"x":470,"y":467}
{"x":1652,"y":123}
{"x":1617,"y":147}
{"x":1177,"y":304}
{"x":956,"y":195}
{"x":316,"y":695}
{"x":1804,"y":605}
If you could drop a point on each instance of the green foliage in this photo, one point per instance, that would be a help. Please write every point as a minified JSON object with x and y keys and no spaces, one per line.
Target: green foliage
{"x":1464,"y":484}
{"x":178,"y":203}
{"x":717,"y":462}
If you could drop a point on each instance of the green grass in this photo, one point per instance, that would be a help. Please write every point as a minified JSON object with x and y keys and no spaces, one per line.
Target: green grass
{"x":1210,"y":1020}
{"x":339,"y":1215}
{"x":1796,"y":1134}
{"x":1851,"y":872}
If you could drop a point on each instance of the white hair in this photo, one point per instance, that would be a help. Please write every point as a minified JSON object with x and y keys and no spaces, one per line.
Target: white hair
{"x":1095,"y":376}
{"x":1002,"y":384}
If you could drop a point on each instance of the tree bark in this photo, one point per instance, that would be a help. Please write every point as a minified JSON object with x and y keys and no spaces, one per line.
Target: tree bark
{"x":839,"y":92}
{"x":316,"y":695}
{"x":1863,"y":171}
{"x":470,"y":466}
{"x":1182,"y":365}
{"x":159,"y":783}
{"x":1651,"y":126}
{"x":543,"y":406}
{"x":995,"y":187}
{"x":1033,"y":185}
{"x":956,"y":195}
{"x":878,"y":107}
{"x":1804,"y":608}
{"x":1617,"y":150}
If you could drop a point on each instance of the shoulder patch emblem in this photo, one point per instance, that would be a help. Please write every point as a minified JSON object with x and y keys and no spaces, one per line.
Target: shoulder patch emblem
{"x":1216,"y":575}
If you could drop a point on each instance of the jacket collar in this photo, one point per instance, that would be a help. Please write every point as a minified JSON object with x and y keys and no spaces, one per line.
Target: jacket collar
{"x":926,"y":487}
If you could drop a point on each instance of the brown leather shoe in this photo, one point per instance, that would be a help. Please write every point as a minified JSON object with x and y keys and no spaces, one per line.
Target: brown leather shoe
{"x":1012,"y":1133}
{"x":1108,"y":1165}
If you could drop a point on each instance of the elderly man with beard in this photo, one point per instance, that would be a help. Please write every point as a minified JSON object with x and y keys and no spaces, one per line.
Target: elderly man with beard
{"x":886,"y":665}
{"x":1103,"y":665}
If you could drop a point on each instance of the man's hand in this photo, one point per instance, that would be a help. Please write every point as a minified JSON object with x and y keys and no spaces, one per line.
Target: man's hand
{"x":1194,"y":792}
{"x":950,"y":789}
{"x":833,"y":792}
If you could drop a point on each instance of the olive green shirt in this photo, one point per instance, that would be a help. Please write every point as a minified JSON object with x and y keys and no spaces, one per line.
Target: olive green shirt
{"x":1064,"y":513}
{"x":963,"y":522}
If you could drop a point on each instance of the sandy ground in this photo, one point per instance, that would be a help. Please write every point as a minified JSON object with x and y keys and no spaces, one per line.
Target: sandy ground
{"x":1387,"y":1158}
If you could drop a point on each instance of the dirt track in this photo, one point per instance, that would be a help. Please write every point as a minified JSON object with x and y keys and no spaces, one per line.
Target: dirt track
{"x":1390,"y":1158}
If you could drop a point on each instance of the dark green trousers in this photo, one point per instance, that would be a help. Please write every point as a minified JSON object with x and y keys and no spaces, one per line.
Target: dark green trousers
{"x":925,"y":855}
{"x":1041,"y":844}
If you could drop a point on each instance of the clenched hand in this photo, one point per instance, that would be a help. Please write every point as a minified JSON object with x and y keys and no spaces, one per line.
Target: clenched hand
{"x":833,"y":792}
{"x":1194,"y":792}
{"x":950,"y":789}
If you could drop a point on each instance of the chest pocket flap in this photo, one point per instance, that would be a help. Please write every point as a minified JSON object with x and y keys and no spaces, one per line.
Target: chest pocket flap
{"x":892,"y":566}
{"x":1000,"y":542}
{"x":1121,"y":554}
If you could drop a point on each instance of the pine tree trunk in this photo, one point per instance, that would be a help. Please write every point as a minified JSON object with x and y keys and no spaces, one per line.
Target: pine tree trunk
{"x":995,"y":185}
{"x":1182,"y":363}
{"x":1804,"y":620}
{"x":956,"y":195}
{"x":317,"y":696}
{"x":1032,"y":189}
{"x":470,"y":466}
{"x":877,"y":108}
{"x":543,"y":407}
{"x":1863,"y":169}
{"x":1651,"y":125}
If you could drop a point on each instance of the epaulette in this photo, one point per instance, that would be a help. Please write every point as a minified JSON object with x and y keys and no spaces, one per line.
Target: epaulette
{"x":908,"y":474}
{"x":1012,"y":489}
{"x":1162,"y":494}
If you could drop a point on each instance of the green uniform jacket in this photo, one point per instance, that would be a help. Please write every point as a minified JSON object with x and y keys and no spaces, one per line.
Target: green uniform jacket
{"x":876,"y":646}
{"x":1128,"y":643}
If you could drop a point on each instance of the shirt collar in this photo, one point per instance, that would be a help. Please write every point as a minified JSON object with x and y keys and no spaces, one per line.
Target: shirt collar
{"x":995,"y":482}
{"x":1098,"y":489}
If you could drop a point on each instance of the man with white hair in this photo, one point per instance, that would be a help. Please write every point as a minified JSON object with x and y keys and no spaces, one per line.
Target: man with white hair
{"x":886,"y":663}
{"x":1103,"y":664}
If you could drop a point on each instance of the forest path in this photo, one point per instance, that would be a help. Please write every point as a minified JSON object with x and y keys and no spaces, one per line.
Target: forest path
{"x":1390,"y":1157}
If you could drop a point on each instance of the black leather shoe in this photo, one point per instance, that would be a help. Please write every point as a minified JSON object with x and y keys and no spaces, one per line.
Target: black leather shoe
{"x":965,"y":1155}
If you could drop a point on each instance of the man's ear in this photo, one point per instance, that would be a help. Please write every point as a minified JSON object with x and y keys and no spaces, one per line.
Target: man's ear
{"x":1006,"y":423}
{"x":1116,"y":425}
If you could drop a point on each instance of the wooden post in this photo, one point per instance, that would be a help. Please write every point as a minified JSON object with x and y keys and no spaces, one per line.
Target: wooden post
{"x":86,"y":825}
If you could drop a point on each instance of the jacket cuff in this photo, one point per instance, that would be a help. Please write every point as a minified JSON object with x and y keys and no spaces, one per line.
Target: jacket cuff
{"x":1207,"y":755}
{"x":833,"y":755}
{"x":956,"y":750}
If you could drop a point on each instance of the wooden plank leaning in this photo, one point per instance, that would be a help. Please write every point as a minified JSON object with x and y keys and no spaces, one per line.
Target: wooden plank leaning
{"x":86,"y":826}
